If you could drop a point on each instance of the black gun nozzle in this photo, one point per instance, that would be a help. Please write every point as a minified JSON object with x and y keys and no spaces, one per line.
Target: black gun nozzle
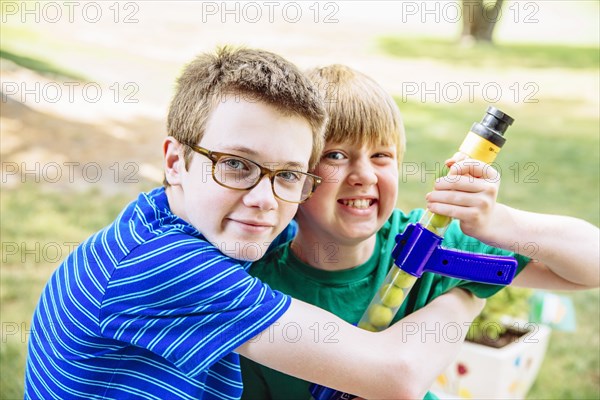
{"x":493,"y":125}
{"x":496,"y":120}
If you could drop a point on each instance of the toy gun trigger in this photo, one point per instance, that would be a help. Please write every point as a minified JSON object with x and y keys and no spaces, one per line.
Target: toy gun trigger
{"x":418,"y":250}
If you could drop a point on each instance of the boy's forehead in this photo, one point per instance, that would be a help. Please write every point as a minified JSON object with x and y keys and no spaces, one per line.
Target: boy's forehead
{"x":258,"y":131}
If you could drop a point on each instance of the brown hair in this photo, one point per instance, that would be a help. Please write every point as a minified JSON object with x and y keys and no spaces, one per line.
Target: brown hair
{"x":359,"y":109}
{"x":256,"y":75}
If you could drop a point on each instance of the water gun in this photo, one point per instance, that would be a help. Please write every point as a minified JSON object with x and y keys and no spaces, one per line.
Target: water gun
{"x":418,"y":249}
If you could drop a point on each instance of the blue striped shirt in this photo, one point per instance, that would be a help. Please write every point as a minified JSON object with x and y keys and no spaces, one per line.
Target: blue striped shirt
{"x":146,"y":308}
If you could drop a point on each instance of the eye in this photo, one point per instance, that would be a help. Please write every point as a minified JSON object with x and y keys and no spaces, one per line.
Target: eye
{"x":334,"y":155}
{"x":381,"y":155}
{"x":289,"y":176}
{"x":234,"y":163}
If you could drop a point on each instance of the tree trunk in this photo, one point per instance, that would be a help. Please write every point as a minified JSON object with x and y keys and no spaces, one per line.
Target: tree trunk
{"x":479,"y":20}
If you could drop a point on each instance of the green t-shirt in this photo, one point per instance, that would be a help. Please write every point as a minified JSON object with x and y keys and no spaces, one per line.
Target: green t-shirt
{"x":347,"y":294}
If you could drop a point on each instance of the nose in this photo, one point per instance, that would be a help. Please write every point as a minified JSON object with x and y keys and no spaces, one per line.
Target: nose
{"x":261,"y":195}
{"x":362,"y":173}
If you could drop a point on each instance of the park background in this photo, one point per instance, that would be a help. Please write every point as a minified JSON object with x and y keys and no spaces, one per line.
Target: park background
{"x":86,"y":86}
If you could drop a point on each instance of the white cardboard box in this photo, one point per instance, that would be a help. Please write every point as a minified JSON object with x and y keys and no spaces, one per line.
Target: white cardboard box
{"x":481,"y":372}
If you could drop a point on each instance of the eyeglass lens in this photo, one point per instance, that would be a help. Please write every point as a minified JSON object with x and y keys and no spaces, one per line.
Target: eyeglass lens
{"x":238,"y":173}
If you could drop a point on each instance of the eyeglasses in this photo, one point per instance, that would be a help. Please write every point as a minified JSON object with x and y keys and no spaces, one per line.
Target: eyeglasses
{"x":239,"y":173}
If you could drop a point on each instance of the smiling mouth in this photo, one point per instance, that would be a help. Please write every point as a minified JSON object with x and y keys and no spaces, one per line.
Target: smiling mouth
{"x":254,"y":223}
{"x":361,"y":204}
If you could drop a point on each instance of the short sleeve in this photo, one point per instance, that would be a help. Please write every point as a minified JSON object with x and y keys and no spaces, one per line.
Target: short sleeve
{"x":180,"y":298}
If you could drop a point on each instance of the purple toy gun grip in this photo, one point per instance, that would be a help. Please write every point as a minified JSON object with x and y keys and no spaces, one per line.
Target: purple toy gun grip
{"x":418,"y":250}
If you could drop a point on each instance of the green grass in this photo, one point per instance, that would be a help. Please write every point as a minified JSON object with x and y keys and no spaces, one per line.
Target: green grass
{"x":43,"y":218}
{"x":32,"y":46}
{"x":39,"y":65}
{"x":497,"y":55}
{"x":27,"y":47}
{"x":571,"y":367}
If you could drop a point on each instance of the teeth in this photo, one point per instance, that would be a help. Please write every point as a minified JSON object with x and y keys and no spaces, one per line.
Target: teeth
{"x":358,"y":203}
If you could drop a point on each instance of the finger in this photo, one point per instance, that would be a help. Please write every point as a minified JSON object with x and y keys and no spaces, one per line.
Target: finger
{"x":474,"y":168}
{"x":471,"y":214}
{"x":467,"y":166}
{"x":456,"y":198}
{"x":452,"y":211}
{"x":467,"y":183}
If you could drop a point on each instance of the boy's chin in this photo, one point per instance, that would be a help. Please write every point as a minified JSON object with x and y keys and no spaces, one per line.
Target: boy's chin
{"x":361,"y":234}
{"x":245,"y":257}
{"x":249,"y":251}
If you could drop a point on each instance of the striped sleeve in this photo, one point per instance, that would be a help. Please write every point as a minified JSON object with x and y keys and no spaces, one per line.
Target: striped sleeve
{"x":187,"y":303}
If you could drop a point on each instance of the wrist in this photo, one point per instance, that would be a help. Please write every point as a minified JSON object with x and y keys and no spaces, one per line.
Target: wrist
{"x":494,"y":233}
{"x":465,"y":300}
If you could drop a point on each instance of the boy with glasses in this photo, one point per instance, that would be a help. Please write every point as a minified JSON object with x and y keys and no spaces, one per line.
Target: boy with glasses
{"x":158,"y":304}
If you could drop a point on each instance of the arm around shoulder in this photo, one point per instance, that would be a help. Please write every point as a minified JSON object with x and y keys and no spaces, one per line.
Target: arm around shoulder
{"x":386,"y":364}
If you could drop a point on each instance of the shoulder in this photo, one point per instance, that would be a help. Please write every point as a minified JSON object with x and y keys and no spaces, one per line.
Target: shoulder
{"x":399,"y":216}
{"x":147,"y":224}
{"x":176,"y":270}
{"x":397,"y":222}
{"x":176,"y":249}
{"x":271,"y":261}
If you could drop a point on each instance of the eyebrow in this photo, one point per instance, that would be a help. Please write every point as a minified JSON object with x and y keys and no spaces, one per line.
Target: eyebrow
{"x":253,"y":153}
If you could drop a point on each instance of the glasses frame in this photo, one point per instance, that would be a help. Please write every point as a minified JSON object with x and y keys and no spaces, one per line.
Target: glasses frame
{"x":215,"y":156}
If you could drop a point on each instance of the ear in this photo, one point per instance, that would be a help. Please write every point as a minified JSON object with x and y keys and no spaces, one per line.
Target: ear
{"x":174,"y":161}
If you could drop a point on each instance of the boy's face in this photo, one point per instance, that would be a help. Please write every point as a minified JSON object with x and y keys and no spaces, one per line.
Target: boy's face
{"x":242,"y":223}
{"x":357,"y":195}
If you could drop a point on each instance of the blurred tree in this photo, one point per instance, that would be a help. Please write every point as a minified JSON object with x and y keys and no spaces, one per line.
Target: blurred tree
{"x":479,"y":20}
